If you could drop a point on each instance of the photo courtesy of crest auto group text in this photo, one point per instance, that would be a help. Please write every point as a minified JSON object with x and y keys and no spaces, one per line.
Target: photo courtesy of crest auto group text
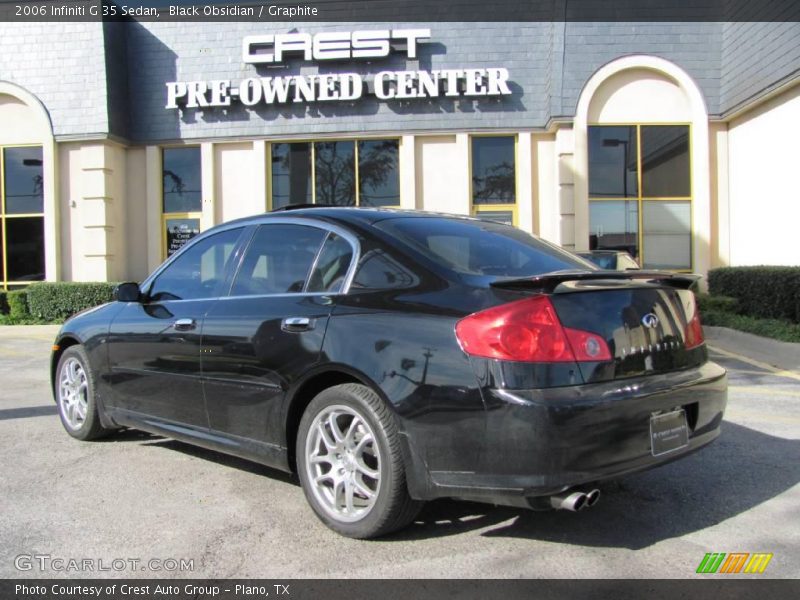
{"x":350,"y":298}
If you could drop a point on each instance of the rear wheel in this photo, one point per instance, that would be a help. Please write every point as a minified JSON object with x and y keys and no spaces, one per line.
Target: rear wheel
{"x":75,"y":395}
{"x":350,"y":463}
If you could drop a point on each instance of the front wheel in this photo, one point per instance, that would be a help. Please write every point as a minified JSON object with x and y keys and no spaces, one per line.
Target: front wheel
{"x":75,"y":395}
{"x":350,"y":463}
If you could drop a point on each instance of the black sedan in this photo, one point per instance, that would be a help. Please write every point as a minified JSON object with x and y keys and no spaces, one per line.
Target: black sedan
{"x":392,"y":357}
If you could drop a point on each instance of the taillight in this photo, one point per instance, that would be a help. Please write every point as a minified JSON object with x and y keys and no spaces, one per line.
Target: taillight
{"x":693,"y":337}
{"x":527,"y":330}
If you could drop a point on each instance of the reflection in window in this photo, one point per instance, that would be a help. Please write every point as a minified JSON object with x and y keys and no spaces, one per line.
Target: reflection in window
{"x":650,"y":165}
{"x":667,"y":235}
{"x":379,"y":271}
{"x":291,"y":174}
{"x":473,"y":247}
{"x":24,"y":190}
{"x":334,"y":173}
{"x":332,"y":265}
{"x":493,"y":170}
{"x":378,"y":175}
{"x":614,"y":226}
{"x":21,"y":216}
{"x":197,"y":272}
{"x":182,"y":180}
{"x":278,"y":260}
{"x":665,"y":161}
{"x":612,"y":162}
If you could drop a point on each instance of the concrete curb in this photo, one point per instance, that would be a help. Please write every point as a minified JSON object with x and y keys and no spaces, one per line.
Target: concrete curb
{"x":782,"y":355}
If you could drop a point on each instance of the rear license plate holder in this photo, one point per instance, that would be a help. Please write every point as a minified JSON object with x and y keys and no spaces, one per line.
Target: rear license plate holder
{"x":668,"y":432}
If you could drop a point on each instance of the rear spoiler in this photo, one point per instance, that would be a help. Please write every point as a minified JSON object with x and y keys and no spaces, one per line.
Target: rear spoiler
{"x":548,"y":282}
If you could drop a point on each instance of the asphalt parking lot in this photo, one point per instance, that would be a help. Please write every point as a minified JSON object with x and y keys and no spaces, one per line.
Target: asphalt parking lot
{"x":136,"y":496}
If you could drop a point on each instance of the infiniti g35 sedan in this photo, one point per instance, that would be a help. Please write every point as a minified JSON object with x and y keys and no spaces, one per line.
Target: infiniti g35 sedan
{"x":392,"y":357}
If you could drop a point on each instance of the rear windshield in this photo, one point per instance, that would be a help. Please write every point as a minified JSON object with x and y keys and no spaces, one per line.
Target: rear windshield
{"x":473,"y":247}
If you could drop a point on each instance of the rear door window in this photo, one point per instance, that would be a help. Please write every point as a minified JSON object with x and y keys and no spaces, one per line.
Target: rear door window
{"x":331,"y":268}
{"x":278,"y":260}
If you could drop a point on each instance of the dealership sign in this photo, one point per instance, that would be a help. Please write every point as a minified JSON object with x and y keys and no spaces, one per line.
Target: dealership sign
{"x":339,"y":46}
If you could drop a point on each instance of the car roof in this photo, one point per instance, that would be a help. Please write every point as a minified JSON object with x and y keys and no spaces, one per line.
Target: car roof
{"x":343,"y":214}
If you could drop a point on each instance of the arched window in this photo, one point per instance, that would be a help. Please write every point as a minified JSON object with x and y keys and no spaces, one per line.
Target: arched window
{"x":28,"y":237}
{"x":641,"y":157}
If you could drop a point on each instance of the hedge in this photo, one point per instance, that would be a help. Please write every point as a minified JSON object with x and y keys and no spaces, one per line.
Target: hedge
{"x":55,"y":301}
{"x":717,"y":303}
{"x":18,"y":304}
{"x":766,"y":292}
{"x":3,"y":302}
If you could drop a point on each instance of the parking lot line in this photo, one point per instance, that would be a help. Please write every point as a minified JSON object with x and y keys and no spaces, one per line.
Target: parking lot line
{"x":756,"y":363}
{"x":751,"y":389}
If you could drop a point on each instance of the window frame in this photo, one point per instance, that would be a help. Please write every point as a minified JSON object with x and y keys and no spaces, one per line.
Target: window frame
{"x":640,"y":199}
{"x":5,"y":283}
{"x":223,"y":286}
{"x":313,"y":159}
{"x":165,"y":216}
{"x":328,"y":228}
{"x":512,"y":207}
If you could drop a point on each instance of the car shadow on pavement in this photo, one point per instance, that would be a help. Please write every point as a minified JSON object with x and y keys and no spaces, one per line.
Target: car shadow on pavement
{"x":226,"y":460}
{"x":738,"y":472}
{"x":25,"y":412}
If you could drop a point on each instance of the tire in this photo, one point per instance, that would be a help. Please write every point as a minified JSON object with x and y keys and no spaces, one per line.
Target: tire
{"x":76,"y":395}
{"x":353,"y":477}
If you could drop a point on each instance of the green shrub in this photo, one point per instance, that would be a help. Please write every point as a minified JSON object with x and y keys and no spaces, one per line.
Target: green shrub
{"x":3,"y":302}
{"x":766,"y":292}
{"x":56,"y":301}
{"x":18,"y":304}
{"x":714,"y":303}
{"x":771,"y":328}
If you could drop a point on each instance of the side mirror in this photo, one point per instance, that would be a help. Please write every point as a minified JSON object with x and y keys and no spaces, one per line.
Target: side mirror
{"x":127,"y":292}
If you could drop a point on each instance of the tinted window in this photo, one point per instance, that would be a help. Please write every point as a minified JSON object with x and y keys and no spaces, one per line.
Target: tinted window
{"x":182,"y":182}
{"x":612,"y":162}
{"x":665,"y":161}
{"x":335,"y":173}
{"x":22,"y":170}
{"x":198,"y":271}
{"x":331,"y":268}
{"x":25,"y":252}
{"x":291,"y":174}
{"x":278,"y":259}
{"x":378,"y":175}
{"x":379,"y":271}
{"x":493,"y":177}
{"x":481,"y":248}
{"x":614,"y":225}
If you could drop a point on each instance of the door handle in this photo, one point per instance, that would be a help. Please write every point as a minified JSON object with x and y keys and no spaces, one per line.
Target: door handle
{"x":297,"y":324}
{"x":184,"y":325}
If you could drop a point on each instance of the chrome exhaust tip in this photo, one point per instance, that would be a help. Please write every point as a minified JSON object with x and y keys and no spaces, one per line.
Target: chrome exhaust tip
{"x":573,"y":501}
{"x":592,"y":497}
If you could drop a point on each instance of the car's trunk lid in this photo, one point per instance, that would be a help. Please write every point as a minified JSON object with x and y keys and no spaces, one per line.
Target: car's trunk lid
{"x":644,"y":318}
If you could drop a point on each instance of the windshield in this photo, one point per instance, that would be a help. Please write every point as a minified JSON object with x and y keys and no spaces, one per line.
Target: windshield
{"x":473,"y":247}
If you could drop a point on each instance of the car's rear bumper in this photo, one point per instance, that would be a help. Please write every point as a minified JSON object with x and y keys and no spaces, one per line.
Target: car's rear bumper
{"x":544,"y":441}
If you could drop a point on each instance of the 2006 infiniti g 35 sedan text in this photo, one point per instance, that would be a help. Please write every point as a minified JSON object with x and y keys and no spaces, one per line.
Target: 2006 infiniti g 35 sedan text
{"x":393,"y":357}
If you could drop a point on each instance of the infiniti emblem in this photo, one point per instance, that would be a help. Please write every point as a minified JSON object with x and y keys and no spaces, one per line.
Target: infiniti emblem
{"x":650,"y":320}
